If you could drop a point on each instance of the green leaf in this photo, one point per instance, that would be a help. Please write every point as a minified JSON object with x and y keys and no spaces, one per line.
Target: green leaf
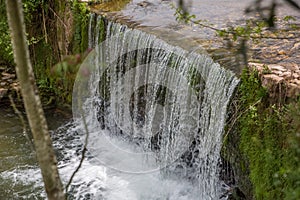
{"x":289,"y":18}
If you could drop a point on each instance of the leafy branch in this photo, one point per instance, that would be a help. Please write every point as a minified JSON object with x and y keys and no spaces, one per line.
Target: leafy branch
{"x":253,"y":29}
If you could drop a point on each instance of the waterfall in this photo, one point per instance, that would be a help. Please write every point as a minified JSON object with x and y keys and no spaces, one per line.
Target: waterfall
{"x":152,"y":107}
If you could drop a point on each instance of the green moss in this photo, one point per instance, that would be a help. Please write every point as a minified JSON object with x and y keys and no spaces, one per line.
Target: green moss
{"x":102,"y":34}
{"x":6,"y":53}
{"x":81,"y":18}
{"x":61,"y":84}
{"x":269,"y":141}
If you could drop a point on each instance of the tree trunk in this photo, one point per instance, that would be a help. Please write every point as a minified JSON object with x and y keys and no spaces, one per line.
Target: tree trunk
{"x":33,"y":107}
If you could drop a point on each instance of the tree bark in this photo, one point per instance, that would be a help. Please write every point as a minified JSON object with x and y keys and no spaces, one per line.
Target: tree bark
{"x":44,"y":150}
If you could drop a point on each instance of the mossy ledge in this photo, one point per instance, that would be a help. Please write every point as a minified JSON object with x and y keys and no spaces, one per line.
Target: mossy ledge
{"x":262,"y":143}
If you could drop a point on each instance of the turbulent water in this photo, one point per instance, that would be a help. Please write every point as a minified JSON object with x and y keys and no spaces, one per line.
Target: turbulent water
{"x":154,"y":114}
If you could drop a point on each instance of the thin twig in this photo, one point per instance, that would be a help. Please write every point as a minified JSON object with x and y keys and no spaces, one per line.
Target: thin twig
{"x":207,"y":26}
{"x":83,"y":151}
{"x":239,"y":116}
{"x":13,"y":105}
{"x":232,"y":32}
{"x":242,"y":36}
{"x":44,"y":26}
{"x":58,"y":17}
{"x":197,"y":22}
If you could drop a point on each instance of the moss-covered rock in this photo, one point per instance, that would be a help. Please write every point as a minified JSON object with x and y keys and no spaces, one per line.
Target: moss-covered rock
{"x":264,"y":146}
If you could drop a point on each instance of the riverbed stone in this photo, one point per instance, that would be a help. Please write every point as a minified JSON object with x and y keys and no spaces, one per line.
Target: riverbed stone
{"x":273,"y":74}
{"x":277,"y":67}
{"x":8,"y":84}
{"x":286,"y":74}
{"x":296,"y":47}
{"x":2,"y":68}
{"x":296,"y":76}
{"x":3,"y":92}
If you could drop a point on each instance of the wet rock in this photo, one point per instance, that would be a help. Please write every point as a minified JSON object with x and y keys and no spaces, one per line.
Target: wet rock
{"x":296,"y":47}
{"x":3,"y":92}
{"x":293,"y":90}
{"x":236,"y":194}
{"x":289,"y":66}
{"x":8,"y":84}
{"x":282,"y":52}
{"x":5,"y":78}
{"x":277,"y":67}
{"x":144,"y":4}
{"x":275,"y":76}
{"x":296,"y":75}
{"x":2,"y":68}
{"x":296,"y":81}
{"x":286,"y":74}
{"x":268,"y":80}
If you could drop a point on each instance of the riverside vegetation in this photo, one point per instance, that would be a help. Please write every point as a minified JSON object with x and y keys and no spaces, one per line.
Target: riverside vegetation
{"x":268,"y":129}
{"x":262,"y":143}
{"x":57,"y":33}
{"x":269,"y":140}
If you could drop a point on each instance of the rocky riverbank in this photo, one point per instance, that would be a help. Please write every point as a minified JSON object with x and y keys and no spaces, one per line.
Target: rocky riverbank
{"x":278,"y":63}
{"x":280,"y":80}
{"x":8,"y":84}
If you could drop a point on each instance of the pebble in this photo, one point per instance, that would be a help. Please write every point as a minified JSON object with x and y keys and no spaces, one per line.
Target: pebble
{"x":291,"y":66}
{"x":285,"y":58}
{"x":277,"y":67}
{"x":144,"y":3}
{"x":282,"y":52}
{"x":297,"y":82}
{"x":8,"y":82}
{"x":286,"y":74}
{"x":296,"y":75}
{"x":279,"y":73}
{"x":5,"y":78}
{"x":15,"y":84}
{"x":272,"y":77}
{"x":3,"y":92}
{"x":296,"y":47}
{"x":293,"y":90}
{"x":5,"y":74}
